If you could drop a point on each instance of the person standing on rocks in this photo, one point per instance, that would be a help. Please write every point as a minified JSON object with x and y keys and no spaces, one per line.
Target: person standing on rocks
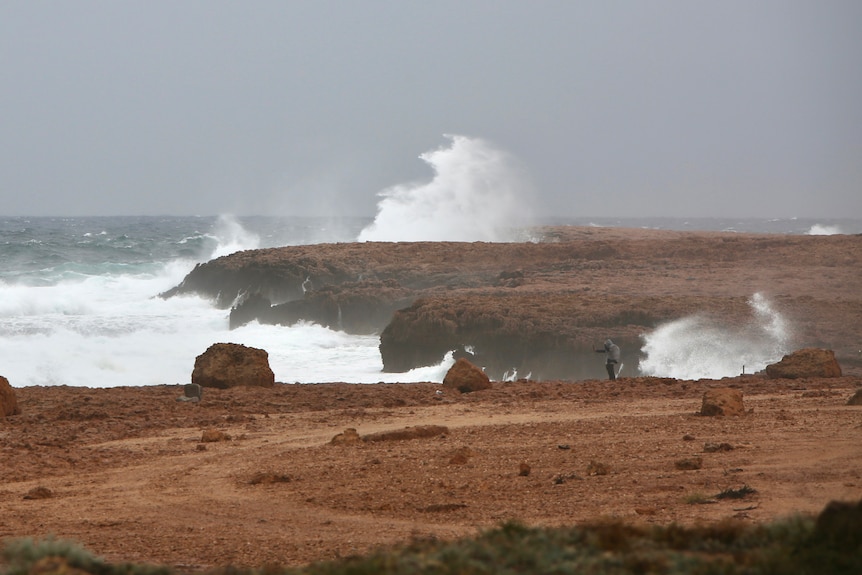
{"x":613,"y":352}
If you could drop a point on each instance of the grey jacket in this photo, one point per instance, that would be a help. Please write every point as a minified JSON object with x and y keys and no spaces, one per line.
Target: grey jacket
{"x":612,"y":350}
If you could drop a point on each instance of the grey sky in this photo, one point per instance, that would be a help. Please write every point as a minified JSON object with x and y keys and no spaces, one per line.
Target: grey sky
{"x":685,"y":108}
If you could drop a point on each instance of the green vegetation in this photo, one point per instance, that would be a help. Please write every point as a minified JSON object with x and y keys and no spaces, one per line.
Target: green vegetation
{"x":795,"y":546}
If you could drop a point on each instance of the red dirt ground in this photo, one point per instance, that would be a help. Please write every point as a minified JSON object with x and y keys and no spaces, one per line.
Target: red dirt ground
{"x":129,"y":478}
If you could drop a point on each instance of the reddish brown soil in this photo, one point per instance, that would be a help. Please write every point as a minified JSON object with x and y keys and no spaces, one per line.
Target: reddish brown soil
{"x":130,"y":479}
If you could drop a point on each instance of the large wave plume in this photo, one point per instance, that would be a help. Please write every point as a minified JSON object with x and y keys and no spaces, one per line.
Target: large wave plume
{"x":476,"y":194}
{"x":698,"y":347}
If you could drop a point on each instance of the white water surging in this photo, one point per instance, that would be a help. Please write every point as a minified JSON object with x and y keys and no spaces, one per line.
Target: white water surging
{"x":476,"y":194}
{"x":698,"y":347}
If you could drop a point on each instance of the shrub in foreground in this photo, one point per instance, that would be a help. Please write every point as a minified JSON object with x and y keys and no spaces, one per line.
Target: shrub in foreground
{"x":801,"y":545}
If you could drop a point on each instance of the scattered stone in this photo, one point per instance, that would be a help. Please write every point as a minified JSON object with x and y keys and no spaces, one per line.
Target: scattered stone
{"x":8,"y":401}
{"x":225,"y":365}
{"x":559,"y":478}
{"x":689,"y":463}
{"x":39,"y":492}
{"x":201,"y":447}
{"x":598,"y":468}
{"x":268,"y":477}
{"x":461,"y":456}
{"x":524,"y":469}
{"x":192,"y":392}
{"x":808,"y":362}
{"x":563,"y":446}
{"x":856,"y":399}
{"x":712,"y":447}
{"x":416,"y":432}
{"x":646,"y":510}
{"x":466,"y":377}
{"x":214,"y":436}
{"x":724,"y":401}
{"x":738,"y":493}
{"x":688,"y":437}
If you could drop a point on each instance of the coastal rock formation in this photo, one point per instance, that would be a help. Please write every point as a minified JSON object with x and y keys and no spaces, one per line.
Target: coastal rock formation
{"x":540,"y":307}
{"x":723,"y":401}
{"x":466,"y":377}
{"x":8,"y":401}
{"x":225,"y":365}
{"x":809,"y":362}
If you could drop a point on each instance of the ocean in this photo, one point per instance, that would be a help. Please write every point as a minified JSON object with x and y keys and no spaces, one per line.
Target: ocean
{"x":78,"y":301}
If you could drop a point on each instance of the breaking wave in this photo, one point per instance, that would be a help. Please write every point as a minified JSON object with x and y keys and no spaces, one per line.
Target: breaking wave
{"x":823,"y":230}
{"x":476,"y":194}
{"x":697,"y":347}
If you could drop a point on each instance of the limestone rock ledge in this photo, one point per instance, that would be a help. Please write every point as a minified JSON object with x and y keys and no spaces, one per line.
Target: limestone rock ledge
{"x":540,"y":307}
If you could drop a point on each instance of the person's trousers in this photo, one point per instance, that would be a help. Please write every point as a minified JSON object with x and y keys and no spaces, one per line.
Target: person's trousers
{"x":612,"y":372}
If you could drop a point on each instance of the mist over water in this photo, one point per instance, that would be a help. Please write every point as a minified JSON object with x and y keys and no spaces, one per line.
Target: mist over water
{"x":476,"y":194}
{"x":697,"y":347}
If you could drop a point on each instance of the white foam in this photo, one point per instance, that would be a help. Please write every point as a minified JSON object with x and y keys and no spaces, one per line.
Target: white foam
{"x":476,"y":194}
{"x":698,"y":347}
{"x":823,"y":230}
{"x":232,"y":237}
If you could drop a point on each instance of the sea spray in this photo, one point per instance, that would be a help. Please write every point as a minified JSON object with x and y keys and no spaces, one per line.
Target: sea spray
{"x":232,"y":237}
{"x":698,"y":347}
{"x":81,"y":316}
{"x":823,"y":230}
{"x":476,"y":194}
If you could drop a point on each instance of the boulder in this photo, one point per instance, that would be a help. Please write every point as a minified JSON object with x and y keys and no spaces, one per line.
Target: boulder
{"x":466,"y":377}
{"x":722,"y":401}
{"x":8,"y":401}
{"x":226,"y":365}
{"x":808,"y":362}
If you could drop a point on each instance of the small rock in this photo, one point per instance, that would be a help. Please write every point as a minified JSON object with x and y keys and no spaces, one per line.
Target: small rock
{"x":267,"y":477}
{"x":689,"y":463}
{"x":466,"y":377}
{"x":559,"y":478}
{"x":598,"y":468}
{"x":213,"y":436}
{"x":711,"y":447}
{"x":349,"y":435}
{"x":461,"y":456}
{"x":856,"y":399}
{"x":724,"y":401}
{"x":39,"y":492}
{"x":524,"y":470}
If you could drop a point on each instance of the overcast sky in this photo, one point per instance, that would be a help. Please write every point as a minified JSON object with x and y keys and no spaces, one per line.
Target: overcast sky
{"x":612,"y":108}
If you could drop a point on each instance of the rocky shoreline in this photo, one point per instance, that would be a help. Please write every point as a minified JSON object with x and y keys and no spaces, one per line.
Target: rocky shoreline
{"x":540,"y":307}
